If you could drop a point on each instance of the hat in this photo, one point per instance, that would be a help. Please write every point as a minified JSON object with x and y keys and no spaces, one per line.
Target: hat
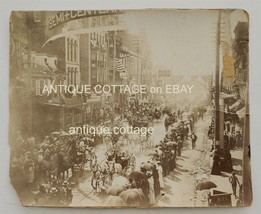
{"x":65,"y":183}
{"x":53,"y":190}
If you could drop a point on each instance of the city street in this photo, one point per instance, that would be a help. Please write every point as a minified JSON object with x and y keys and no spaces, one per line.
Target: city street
{"x":107,"y":113}
{"x":192,"y":167}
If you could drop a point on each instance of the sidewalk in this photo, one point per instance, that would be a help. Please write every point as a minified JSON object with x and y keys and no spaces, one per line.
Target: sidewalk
{"x":180,"y":185}
{"x":205,"y":166}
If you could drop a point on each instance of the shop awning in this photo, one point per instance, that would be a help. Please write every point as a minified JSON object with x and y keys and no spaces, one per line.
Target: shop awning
{"x":229,"y":116}
{"x":235,"y":105}
{"x":241,"y":113}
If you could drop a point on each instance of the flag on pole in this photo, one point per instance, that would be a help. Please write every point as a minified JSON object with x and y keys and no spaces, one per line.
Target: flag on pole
{"x":119,"y":67}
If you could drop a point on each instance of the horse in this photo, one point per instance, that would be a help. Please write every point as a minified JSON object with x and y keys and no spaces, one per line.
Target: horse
{"x":64,"y":164}
{"x":49,"y":168}
{"x":90,"y":157}
{"x":96,"y":176}
{"x":103,"y":174}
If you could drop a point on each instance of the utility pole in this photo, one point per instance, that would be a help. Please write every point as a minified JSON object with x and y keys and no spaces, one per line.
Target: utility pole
{"x":114,"y":55}
{"x":246,"y":183}
{"x":114,"y":72}
{"x":217,"y":114}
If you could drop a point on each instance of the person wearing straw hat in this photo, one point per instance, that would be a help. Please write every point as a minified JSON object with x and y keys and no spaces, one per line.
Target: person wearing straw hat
{"x":54,"y":196}
{"x":234,"y":181}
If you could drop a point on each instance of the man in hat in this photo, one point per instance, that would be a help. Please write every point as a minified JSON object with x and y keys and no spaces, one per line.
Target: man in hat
{"x":193,"y":139}
{"x":234,"y":181}
{"x":67,"y":192}
{"x":179,"y":145}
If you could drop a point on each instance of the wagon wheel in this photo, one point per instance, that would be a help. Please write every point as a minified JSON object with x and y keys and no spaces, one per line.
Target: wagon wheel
{"x":106,"y":181}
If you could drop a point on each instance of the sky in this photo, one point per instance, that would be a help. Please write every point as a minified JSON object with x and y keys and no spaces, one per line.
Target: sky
{"x":180,"y":40}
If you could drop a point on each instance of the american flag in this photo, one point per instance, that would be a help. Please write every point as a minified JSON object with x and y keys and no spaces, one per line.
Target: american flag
{"x":119,"y":65}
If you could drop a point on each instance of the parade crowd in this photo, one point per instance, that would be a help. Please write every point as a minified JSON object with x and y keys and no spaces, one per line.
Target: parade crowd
{"x":51,"y":168}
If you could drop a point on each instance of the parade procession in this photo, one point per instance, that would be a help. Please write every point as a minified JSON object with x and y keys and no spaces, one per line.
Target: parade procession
{"x":107,"y":111}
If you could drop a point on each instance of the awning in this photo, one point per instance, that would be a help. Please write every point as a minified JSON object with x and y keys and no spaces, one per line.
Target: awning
{"x":241,"y":113}
{"x":72,"y":102}
{"x":229,"y":96}
{"x":231,"y":117}
{"x":236,"y":104}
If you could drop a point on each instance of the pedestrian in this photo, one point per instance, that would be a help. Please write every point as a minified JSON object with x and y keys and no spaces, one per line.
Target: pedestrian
{"x":198,"y":115}
{"x":216,"y":164}
{"x":179,"y":146}
{"x":186,"y":131}
{"x":152,"y":199}
{"x":234,"y":181}
{"x":160,"y":171}
{"x":194,"y":139}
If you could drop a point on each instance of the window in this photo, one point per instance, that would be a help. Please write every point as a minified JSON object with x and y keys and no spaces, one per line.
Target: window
{"x":101,"y":60}
{"x":68,"y":49}
{"x":69,"y":76}
{"x":71,"y":50}
{"x":75,"y":51}
{"x":72,"y":76}
{"x":37,"y":16}
{"x":75,"y":77}
{"x":94,"y":59}
{"x":94,"y":22}
{"x":103,"y":20}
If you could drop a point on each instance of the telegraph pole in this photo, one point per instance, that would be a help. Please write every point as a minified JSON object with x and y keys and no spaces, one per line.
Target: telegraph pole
{"x":114,"y":71}
{"x":217,"y":90}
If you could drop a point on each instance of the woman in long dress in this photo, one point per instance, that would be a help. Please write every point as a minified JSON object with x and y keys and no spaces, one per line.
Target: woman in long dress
{"x":152,"y":199}
{"x":160,"y":172}
{"x":216,"y":164}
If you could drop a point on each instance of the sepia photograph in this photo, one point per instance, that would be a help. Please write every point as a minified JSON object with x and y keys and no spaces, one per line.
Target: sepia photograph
{"x":143,"y":108}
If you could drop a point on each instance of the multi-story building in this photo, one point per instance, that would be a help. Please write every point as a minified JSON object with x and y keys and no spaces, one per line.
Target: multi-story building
{"x":56,"y":63}
{"x":41,"y":57}
{"x":240,"y":54}
{"x":19,"y":89}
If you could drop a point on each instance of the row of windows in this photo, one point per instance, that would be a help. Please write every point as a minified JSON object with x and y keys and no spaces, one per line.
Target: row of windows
{"x":72,"y":76}
{"x":98,"y":60}
{"x":98,"y":38}
{"x":98,"y":21}
{"x":72,"y":50}
{"x":37,"y":85}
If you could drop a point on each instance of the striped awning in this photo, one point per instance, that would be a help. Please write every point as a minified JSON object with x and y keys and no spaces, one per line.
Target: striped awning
{"x":119,"y":67}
